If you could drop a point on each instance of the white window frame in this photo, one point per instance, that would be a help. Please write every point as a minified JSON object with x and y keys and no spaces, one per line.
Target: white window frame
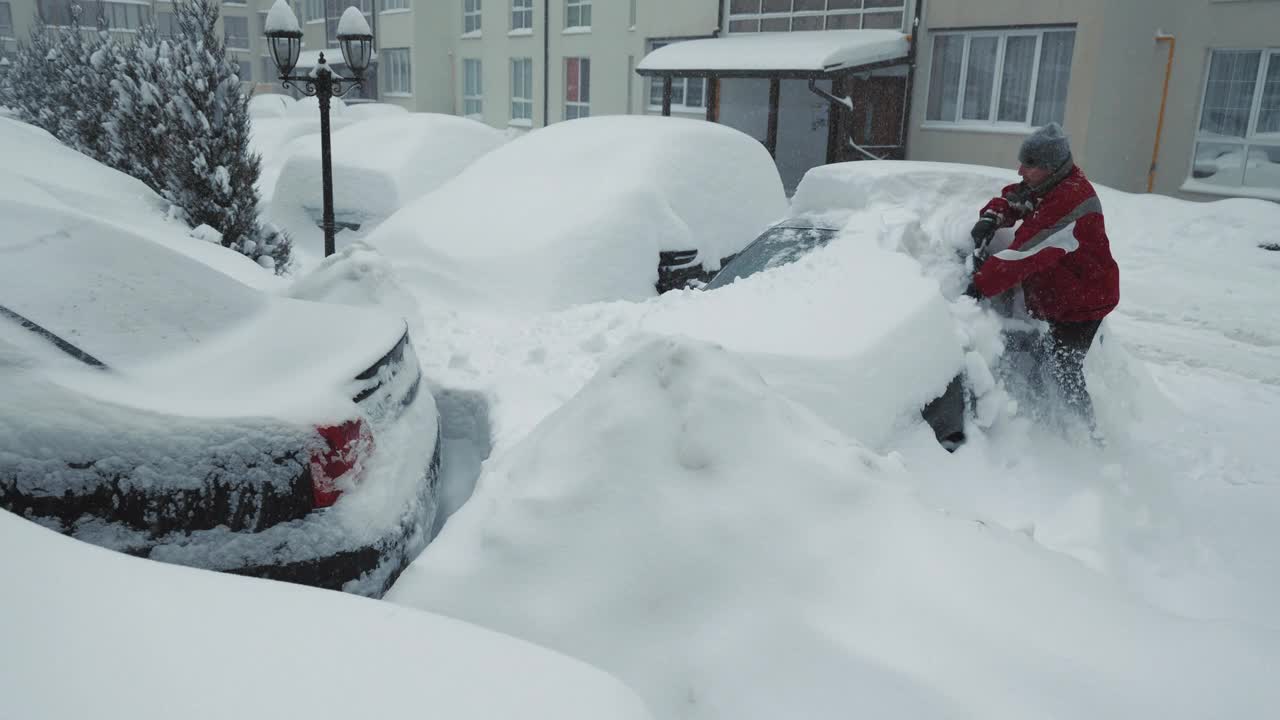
{"x":790,"y":15}
{"x":676,"y":82}
{"x":473,"y":88}
{"x":522,"y":16}
{"x":583,"y":107}
{"x":1251,"y":137}
{"x":521,"y":105}
{"x":226,"y":35}
{"x":472,"y":17}
{"x":584,"y":8}
{"x":993,"y":108}
{"x":391,"y":6}
{"x":396,"y":68}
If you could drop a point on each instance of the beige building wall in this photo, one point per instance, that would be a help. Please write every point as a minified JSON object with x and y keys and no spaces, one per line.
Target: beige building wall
{"x":991,"y":146}
{"x":1201,"y":26}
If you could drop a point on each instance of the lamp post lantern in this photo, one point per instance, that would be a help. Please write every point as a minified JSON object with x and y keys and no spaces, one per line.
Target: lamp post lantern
{"x":284,"y":37}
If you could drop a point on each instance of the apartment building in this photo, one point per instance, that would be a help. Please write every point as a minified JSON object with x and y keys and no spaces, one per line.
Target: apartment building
{"x":1178,"y":96}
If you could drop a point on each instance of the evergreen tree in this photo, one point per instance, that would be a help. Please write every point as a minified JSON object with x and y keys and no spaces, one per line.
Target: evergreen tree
{"x":212,"y":172}
{"x":137,"y":122}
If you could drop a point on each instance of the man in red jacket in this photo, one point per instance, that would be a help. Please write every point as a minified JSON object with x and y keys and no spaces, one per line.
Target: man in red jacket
{"x":1060,"y":257}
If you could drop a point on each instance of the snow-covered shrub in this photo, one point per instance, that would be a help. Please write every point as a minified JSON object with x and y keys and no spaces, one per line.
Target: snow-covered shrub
{"x":212,"y":172}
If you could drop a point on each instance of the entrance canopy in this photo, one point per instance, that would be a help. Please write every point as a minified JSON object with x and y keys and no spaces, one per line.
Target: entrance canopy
{"x":813,"y":55}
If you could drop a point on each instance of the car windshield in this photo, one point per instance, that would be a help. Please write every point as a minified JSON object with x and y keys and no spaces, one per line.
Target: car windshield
{"x":778,"y":246}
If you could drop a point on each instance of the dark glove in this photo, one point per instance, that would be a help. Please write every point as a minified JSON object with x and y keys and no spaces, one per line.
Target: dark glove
{"x":972,"y":291}
{"x":985,"y":229}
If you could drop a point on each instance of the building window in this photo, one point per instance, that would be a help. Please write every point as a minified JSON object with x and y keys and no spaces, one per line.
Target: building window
{"x":1006,"y":78}
{"x":577,"y":13}
{"x":6,"y":20}
{"x":797,"y":15}
{"x":1238,"y":140}
{"x":688,"y":94}
{"x":117,"y":16}
{"x":246,"y":71}
{"x":470,"y":16}
{"x":313,"y":10}
{"x":395,"y":5}
{"x":577,"y":88}
{"x":236,"y":32}
{"x":472,"y":88}
{"x":166,"y":25}
{"x":521,"y":14}
{"x":522,"y":89}
{"x":394,"y":64}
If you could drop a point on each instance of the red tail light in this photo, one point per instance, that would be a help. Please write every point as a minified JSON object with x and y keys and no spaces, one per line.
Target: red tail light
{"x":348,"y":443}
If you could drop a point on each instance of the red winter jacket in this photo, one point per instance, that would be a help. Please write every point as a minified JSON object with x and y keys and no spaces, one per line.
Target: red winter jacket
{"x":1060,"y":255}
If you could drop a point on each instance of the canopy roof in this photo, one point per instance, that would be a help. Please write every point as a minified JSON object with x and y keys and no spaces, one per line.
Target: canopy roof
{"x":796,"y":54}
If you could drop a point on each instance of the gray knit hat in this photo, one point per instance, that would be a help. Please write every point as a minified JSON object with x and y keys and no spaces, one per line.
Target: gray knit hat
{"x":1046,"y":148}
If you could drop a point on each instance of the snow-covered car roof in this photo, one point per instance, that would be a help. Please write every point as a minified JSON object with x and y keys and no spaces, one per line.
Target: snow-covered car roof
{"x":381,"y":164}
{"x":90,"y":632}
{"x":585,"y":207}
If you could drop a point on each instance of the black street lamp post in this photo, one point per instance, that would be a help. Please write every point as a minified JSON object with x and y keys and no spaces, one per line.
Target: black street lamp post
{"x":285,"y":39}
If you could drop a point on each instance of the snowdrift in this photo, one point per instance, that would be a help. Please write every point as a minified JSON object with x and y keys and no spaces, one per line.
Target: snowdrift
{"x":680,"y":524}
{"x":92,"y":633}
{"x":41,"y":175}
{"x":586,"y":207}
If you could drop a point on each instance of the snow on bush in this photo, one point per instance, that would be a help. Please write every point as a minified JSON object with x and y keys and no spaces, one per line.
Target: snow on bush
{"x":586,"y":207}
{"x":171,"y":634}
{"x":380,"y":165}
{"x":680,"y":524}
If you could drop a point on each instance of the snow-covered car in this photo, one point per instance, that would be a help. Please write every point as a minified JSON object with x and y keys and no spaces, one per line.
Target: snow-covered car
{"x":589,"y":210}
{"x":790,"y":240}
{"x":380,"y":165}
{"x":159,"y":407}
{"x":844,"y":305}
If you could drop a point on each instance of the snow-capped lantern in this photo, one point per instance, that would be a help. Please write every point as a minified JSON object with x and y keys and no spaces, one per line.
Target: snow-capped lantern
{"x":356,"y":40}
{"x":284,"y":37}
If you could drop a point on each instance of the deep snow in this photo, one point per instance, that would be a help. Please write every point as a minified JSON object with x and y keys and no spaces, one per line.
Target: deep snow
{"x":93,"y":633}
{"x":659,"y":507}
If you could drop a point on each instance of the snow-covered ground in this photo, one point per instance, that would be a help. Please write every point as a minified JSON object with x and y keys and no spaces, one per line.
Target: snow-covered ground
{"x":92,"y":633}
{"x":652,"y":501}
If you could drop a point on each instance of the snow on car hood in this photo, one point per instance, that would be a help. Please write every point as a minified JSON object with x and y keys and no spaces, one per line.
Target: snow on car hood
{"x":177,"y":335}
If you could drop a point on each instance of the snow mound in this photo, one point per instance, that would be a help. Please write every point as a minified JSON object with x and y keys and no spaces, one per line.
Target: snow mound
{"x":609,"y":194}
{"x":170,"y":634}
{"x":370,"y":110}
{"x":269,"y":105}
{"x":380,"y":165}
{"x":309,"y":107}
{"x":45,"y":185}
{"x":681,"y":525}
{"x":358,"y":275}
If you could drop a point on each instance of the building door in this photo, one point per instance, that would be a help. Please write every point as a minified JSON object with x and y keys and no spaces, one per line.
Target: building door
{"x":876,"y":120}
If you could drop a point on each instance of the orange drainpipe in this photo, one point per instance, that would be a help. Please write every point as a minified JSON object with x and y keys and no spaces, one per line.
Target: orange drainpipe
{"x":1164,"y":99}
